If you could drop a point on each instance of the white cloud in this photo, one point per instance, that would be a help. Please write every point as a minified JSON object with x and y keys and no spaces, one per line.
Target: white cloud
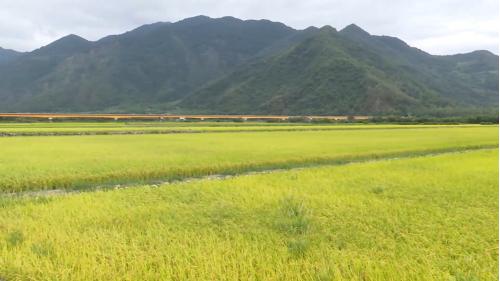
{"x":436,"y":26}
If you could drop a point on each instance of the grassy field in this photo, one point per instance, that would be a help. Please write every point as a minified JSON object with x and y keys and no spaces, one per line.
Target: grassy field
{"x":32,"y":163}
{"x":423,"y":218}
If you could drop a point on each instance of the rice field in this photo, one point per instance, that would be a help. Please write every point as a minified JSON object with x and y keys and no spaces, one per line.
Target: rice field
{"x":68,"y":162}
{"x":271,"y":201}
{"x":422,"y":218}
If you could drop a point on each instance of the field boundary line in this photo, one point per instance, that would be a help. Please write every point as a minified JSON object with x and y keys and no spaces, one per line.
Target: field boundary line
{"x":250,"y":171}
{"x":171,"y":132}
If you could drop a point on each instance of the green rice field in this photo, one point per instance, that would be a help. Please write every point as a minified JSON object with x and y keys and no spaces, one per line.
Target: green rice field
{"x":43,"y":162}
{"x":352,"y":202}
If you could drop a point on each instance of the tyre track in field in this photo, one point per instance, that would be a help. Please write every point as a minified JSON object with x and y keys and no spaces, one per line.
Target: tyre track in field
{"x":223,"y":176}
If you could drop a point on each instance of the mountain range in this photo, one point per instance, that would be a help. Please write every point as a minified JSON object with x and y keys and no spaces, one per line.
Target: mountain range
{"x":232,"y":66}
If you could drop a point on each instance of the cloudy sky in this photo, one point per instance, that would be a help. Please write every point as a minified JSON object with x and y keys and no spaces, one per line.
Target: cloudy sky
{"x":436,"y":26}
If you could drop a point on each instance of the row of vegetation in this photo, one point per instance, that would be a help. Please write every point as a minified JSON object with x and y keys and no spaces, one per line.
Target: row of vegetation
{"x":121,"y":128}
{"x":446,"y":116}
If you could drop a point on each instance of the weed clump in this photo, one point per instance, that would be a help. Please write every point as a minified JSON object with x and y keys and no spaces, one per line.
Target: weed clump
{"x":295,"y":222}
{"x":377,"y":190}
{"x":42,"y":249}
{"x":298,"y":247}
{"x":15,"y":238}
{"x":295,"y":217}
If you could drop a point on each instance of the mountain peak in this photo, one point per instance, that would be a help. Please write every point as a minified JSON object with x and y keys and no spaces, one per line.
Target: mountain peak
{"x":65,"y":45}
{"x":483,"y":53}
{"x":354,"y":29}
{"x":231,"y":19}
{"x":69,"y":39}
{"x":73,"y":37}
{"x":474,"y":54}
{"x":195,"y":20}
{"x":328,"y":28}
{"x":480,"y":59}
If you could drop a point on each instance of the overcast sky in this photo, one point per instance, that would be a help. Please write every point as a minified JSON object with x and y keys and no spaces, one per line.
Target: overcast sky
{"x":436,"y":26}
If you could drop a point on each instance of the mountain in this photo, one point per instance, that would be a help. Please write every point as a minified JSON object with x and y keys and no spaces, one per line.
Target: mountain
{"x":317,"y":76}
{"x":19,"y":78}
{"x":446,"y":75}
{"x":151,"y":64}
{"x":7,"y":55}
{"x":352,"y":72}
{"x":228,"y":65}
